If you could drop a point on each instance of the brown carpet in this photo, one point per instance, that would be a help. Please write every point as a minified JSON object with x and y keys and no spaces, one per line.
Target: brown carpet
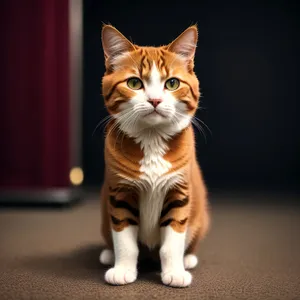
{"x":252,"y":252}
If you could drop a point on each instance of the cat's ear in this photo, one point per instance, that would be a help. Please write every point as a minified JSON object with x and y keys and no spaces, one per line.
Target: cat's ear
{"x":185,"y":44}
{"x":114,"y":42}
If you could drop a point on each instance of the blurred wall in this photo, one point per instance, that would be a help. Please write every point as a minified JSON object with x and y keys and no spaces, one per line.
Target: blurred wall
{"x":34,"y":111}
{"x":247,"y":62}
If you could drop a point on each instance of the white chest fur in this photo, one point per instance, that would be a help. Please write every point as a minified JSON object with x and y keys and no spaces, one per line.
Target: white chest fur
{"x":154,"y":183}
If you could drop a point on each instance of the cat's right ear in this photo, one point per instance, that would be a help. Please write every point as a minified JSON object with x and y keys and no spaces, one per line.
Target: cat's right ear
{"x":114,"y":42}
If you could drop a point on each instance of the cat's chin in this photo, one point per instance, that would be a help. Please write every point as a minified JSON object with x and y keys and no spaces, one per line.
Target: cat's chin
{"x":155,"y":119}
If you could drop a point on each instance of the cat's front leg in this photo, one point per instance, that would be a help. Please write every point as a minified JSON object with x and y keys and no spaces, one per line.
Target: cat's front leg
{"x":124,"y":226}
{"x":173,"y":227}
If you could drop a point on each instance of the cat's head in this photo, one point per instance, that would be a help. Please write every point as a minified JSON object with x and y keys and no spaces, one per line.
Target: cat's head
{"x":150,"y":87}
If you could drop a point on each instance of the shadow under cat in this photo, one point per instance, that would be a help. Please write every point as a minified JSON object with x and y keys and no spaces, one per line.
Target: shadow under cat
{"x":83,"y":263}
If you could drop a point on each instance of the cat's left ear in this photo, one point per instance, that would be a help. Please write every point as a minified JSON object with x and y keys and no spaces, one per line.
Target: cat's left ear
{"x":185,"y":45}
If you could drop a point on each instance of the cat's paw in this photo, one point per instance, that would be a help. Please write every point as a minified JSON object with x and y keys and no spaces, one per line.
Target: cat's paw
{"x":107,"y":257}
{"x":177,"y":279}
{"x":190,"y":261}
{"x":120,"y":276}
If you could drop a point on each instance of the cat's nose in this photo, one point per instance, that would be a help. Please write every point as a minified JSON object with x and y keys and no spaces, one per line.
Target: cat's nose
{"x":154,"y":102}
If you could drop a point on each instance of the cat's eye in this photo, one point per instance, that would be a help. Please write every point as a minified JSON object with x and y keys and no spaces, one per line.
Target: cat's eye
{"x":134,"y":83}
{"x":172,"y":84}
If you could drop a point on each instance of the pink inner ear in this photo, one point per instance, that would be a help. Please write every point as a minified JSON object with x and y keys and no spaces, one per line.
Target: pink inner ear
{"x":114,"y":43}
{"x":186,"y":43}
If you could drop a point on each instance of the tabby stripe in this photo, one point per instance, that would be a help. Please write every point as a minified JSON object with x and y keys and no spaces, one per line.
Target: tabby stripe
{"x":121,"y":189}
{"x":143,"y":66}
{"x":183,"y":193}
{"x":119,"y":165}
{"x":118,"y":221}
{"x":181,"y":185}
{"x":182,"y":189}
{"x":174,"y":204}
{"x":160,"y":63}
{"x":169,"y":221}
{"x":115,"y":105}
{"x":163,"y":61}
{"x":113,"y":89}
{"x":168,"y":198}
{"x":190,"y":87}
{"x":149,"y":64}
{"x":123,"y":204}
{"x":189,"y":104}
{"x":165,"y":66}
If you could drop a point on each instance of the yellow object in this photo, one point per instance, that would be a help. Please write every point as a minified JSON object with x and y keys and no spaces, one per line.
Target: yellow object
{"x":76,"y":176}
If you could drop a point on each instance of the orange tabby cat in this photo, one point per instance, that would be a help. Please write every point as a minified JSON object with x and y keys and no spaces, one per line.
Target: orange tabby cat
{"x":153,"y":192}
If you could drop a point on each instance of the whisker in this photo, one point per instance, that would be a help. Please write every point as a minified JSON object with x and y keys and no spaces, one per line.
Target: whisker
{"x":124,"y":115}
{"x":102,"y":122}
{"x":196,"y":124}
{"x":113,"y":127}
{"x":204,"y":125}
{"x":199,"y":120}
{"x":200,"y":129}
{"x":133,"y":121}
{"x":121,"y":131}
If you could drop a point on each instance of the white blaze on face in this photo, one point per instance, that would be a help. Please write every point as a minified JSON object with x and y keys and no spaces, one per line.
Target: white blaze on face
{"x":154,"y":89}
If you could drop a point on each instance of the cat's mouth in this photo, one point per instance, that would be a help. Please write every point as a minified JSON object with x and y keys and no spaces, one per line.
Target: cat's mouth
{"x":155,"y":113}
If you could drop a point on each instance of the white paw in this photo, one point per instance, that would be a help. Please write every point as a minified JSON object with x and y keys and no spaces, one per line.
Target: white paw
{"x":120,"y":276}
{"x":177,"y":279}
{"x":190,"y":261}
{"x":107,"y":257}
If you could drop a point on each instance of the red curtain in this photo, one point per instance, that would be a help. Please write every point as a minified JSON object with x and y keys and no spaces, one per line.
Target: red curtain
{"x":34,"y":111}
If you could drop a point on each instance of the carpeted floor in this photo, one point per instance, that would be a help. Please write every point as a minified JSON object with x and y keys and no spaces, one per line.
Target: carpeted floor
{"x":252,"y":252}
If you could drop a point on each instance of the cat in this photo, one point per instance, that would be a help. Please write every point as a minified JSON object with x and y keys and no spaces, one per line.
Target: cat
{"x":153,"y":191}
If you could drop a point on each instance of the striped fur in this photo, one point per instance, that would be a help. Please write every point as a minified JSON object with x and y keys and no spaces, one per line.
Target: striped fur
{"x":153,"y":191}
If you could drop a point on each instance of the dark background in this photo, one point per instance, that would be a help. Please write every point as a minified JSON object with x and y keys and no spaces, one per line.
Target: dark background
{"x":247,"y":62}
